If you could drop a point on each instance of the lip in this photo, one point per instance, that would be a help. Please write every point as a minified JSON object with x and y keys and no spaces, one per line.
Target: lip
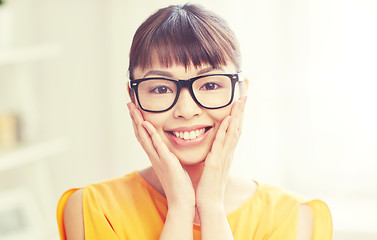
{"x":187,"y":129}
{"x":189,"y":142}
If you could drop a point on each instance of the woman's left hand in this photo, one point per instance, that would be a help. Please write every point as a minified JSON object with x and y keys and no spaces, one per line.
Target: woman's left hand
{"x":211,"y":187}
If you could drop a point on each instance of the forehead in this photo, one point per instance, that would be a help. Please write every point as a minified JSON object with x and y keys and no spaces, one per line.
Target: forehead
{"x":180,"y":71}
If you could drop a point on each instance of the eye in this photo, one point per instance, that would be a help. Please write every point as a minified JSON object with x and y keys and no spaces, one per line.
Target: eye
{"x":161,"y":90}
{"x":210,"y":86}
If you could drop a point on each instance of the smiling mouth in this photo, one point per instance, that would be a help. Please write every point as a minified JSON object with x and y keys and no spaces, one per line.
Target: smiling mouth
{"x":189,"y":135}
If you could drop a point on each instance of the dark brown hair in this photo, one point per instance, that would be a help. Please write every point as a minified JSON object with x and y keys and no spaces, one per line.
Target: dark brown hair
{"x":184,"y":35}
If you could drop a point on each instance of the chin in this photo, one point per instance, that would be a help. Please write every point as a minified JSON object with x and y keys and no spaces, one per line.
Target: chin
{"x":192,"y":157}
{"x":191,"y":162}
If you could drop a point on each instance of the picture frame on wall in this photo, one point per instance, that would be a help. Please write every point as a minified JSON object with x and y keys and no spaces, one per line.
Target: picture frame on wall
{"x":20,"y":217}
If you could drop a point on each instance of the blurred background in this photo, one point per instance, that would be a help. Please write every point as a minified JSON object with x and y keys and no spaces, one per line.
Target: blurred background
{"x":310,"y":121}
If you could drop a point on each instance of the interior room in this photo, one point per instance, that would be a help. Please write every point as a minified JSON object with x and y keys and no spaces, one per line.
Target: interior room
{"x":310,"y":118}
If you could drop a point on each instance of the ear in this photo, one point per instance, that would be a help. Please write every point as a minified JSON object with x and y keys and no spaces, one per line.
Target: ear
{"x":131,"y":93}
{"x":246,"y":80}
{"x":244,"y":86}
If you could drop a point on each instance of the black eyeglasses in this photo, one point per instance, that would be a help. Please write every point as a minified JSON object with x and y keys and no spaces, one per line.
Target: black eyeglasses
{"x":158,"y":94}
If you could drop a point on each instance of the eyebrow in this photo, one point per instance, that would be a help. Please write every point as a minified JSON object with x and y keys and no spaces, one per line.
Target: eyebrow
{"x":169,"y":75}
{"x":209,"y":69}
{"x":159,"y":73}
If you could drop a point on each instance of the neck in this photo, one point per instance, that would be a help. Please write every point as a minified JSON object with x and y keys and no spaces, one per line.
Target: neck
{"x":195,"y":172}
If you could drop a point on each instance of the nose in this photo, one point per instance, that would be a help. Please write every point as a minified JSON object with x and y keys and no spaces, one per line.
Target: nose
{"x":186,"y":107}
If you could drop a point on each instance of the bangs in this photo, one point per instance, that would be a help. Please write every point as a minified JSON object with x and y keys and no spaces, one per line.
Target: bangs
{"x":186,"y":36}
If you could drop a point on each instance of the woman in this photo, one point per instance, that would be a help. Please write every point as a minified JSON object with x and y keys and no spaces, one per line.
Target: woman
{"x":189,"y":129}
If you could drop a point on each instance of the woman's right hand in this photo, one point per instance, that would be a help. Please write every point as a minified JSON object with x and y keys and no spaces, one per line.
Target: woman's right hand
{"x":174,"y":179}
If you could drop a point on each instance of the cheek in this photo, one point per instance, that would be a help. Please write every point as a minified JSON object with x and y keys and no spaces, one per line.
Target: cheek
{"x":156,"y":119}
{"x":219,"y":114}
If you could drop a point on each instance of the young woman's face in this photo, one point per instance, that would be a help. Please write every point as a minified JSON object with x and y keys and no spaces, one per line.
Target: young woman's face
{"x":187,"y":129}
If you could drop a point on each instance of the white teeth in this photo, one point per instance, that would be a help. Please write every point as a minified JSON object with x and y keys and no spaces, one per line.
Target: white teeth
{"x":192,"y":135}
{"x":186,"y":135}
{"x":189,"y":135}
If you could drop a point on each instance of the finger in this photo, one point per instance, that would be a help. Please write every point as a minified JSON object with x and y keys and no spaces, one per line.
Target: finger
{"x":141,"y":134}
{"x":235,"y":107}
{"x":161,"y":148}
{"x":243,"y":100}
{"x":233,"y":133}
{"x":234,"y":129}
{"x":137,"y":114}
{"x":215,"y":156}
{"x":235,"y":113}
{"x":147,"y":144}
{"x":136,"y":131}
{"x":218,"y":143}
{"x":138,"y":120}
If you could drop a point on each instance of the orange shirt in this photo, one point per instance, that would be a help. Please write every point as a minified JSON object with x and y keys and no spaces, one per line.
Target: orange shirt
{"x":130,"y":208}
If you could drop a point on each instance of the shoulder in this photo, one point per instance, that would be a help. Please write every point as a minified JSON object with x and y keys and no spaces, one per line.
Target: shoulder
{"x":105,"y":196}
{"x":305,"y":222}
{"x":92,"y":202}
{"x":116,"y":187}
{"x":279,"y":199}
{"x":93,"y":196}
{"x":73,"y":216}
{"x":314,"y":221}
{"x":286,"y":206}
{"x":312,"y":218}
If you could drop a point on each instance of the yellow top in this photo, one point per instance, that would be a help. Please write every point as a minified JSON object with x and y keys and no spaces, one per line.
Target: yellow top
{"x":130,"y":208}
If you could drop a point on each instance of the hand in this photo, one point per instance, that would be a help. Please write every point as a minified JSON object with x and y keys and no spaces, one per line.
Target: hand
{"x":173,"y":178}
{"x":211,"y":188}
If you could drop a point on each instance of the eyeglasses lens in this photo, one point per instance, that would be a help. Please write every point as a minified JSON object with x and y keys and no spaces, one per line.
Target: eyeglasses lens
{"x":213,"y":91}
{"x":157,"y":95}
{"x":210,"y":91}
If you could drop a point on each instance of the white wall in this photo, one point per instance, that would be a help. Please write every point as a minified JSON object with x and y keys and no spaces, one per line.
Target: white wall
{"x":74,"y":99}
{"x":328,"y":104}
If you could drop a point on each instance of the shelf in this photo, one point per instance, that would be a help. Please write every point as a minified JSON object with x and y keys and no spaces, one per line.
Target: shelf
{"x":28,"y":153}
{"x":25,"y":54}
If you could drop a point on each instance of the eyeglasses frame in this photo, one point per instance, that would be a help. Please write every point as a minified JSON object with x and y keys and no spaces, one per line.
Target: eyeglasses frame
{"x":185,"y":84}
